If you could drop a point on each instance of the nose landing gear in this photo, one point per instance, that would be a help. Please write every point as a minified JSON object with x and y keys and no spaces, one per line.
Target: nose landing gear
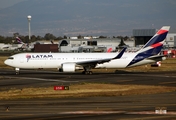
{"x":17,"y":70}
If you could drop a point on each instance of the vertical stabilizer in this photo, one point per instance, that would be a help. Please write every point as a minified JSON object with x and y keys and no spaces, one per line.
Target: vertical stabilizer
{"x":152,"y":47}
{"x":155,"y":44}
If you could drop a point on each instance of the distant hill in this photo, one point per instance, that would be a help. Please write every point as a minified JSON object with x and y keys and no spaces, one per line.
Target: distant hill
{"x":86,"y":17}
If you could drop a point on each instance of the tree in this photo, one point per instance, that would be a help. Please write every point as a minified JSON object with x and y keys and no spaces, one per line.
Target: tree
{"x":49,"y":36}
{"x":65,"y":37}
{"x":39,"y":38}
{"x":102,"y":36}
{"x":26,"y":39}
{"x":8,"y":40}
{"x":80,"y":37}
{"x":33,"y":38}
{"x":59,"y":38}
{"x":2,"y":39}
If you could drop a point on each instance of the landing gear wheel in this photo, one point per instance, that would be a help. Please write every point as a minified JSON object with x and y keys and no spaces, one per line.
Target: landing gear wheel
{"x":17,"y":72}
{"x":87,"y":72}
{"x":90,"y":73}
{"x":87,"y":69}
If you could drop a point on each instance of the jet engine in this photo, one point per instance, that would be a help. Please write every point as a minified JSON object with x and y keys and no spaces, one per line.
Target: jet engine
{"x":68,"y":67}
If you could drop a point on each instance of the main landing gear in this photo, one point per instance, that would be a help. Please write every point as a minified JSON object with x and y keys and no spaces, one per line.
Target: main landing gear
{"x":87,"y":70}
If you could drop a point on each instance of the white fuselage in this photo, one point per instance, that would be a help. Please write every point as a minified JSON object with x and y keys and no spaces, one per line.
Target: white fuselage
{"x":55,"y":60}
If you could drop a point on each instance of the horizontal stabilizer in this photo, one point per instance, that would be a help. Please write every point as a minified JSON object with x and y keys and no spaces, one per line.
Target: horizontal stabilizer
{"x":157,"y":57}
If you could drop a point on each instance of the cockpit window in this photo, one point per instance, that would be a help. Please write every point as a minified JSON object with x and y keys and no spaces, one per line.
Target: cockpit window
{"x":11,"y":58}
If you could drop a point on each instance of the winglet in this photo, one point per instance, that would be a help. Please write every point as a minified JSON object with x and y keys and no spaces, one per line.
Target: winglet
{"x":120,"y":54}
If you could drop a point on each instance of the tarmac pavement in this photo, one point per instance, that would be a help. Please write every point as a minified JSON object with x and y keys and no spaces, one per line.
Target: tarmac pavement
{"x":89,"y":108}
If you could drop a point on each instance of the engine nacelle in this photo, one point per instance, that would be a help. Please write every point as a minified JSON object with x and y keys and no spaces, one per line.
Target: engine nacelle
{"x":68,"y":67}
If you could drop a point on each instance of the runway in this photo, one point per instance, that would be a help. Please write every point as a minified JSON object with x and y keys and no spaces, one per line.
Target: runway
{"x":100,"y":107}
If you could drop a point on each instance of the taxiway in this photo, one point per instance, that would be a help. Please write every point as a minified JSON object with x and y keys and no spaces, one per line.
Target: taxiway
{"x":88,"y":108}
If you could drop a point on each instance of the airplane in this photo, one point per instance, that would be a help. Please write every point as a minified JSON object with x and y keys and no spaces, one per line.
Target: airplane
{"x":70,"y":62}
{"x":24,"y":46}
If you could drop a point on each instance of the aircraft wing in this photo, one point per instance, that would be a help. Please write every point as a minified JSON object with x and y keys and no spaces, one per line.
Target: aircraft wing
{"x":100,"y":61}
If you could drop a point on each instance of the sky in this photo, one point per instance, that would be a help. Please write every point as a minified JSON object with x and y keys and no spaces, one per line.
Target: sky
{"x":8,"y":3}
{"x":85,"y":17}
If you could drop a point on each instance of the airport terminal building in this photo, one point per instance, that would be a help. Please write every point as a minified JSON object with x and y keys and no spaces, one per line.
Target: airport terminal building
{"x":96,"y":44}
{"x":90,"y":45}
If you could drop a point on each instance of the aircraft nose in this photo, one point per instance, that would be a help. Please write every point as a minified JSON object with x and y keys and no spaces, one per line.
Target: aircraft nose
{"x":6,"y":62}
{"x":9,"y":61}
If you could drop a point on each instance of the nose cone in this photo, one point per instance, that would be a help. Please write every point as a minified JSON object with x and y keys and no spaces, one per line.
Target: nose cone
{"x":6,"y":62}
{"x":9,"y":61}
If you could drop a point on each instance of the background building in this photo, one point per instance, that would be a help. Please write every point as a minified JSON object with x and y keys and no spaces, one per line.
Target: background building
{"x":171,"y":40}
{"x":142,"y":36}
{"x":90,"y":45}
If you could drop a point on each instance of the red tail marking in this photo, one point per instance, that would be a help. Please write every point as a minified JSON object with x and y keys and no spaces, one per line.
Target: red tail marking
{"x":161,"y":32}
{"x":109,"y":50}
{"x":156,"y":45}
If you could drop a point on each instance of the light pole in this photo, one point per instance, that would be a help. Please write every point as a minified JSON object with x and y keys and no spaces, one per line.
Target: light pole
{"x":29,"y":20}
